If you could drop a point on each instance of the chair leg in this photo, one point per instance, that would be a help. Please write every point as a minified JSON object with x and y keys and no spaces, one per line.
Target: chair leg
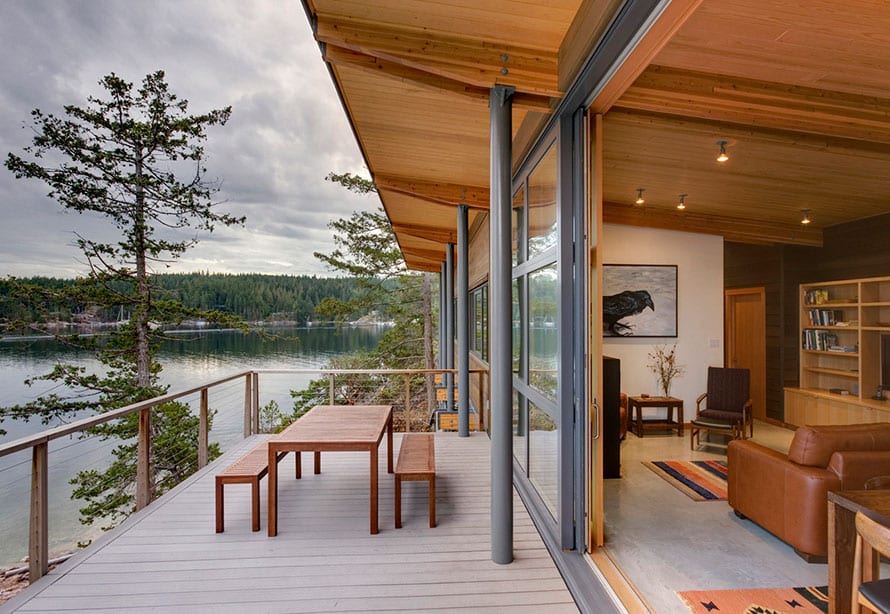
{"x":220,"y":521}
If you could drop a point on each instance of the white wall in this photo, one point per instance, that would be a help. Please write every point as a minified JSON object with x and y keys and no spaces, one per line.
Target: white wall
{"x":699,"y":260}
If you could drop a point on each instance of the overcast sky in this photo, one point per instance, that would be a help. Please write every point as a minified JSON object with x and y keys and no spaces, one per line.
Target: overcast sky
{"x":286,"y":132}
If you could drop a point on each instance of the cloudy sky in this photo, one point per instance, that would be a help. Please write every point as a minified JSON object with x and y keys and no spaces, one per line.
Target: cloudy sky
{"x":287,"y":129}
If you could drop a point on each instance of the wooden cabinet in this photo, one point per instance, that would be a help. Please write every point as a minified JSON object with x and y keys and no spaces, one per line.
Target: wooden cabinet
{"x":841,"y":328}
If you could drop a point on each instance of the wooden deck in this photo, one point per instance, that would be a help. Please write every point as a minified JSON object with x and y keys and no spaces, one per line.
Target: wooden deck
{"x":169,"y":558}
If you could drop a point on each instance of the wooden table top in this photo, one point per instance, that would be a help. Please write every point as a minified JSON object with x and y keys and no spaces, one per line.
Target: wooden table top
{"x":874,"y":503}
{"x":355,"y":424}
{"x":653,"y":400}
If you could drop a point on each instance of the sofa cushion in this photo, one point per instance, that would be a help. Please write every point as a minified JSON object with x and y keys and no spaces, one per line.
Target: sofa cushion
{"x":813,"y":445}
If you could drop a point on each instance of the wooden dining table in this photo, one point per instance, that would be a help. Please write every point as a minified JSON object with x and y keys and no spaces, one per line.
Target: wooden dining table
{"x":332,"y":428}
{"x":842,"y":508}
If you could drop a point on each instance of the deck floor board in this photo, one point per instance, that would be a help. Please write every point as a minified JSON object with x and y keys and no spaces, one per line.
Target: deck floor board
{"x":323,"y":559}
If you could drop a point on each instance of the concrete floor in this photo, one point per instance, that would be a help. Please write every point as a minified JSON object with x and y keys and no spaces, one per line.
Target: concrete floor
{"x":665,"y":542}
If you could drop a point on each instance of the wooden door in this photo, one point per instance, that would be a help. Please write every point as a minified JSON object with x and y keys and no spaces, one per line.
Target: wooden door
{"x":745,"y":322}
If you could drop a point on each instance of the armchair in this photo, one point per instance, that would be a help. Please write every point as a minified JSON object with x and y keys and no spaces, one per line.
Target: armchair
{"x":727,"y":399}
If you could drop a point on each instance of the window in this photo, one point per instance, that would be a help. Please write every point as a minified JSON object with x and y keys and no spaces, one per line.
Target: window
{"x":479,"y":321}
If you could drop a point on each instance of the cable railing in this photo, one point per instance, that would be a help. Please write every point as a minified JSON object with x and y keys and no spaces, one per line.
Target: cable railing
{"x":215,"y":408}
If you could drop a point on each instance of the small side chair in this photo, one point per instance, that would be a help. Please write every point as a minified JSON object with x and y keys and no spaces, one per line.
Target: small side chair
{"x":872,"y":540}
{"x":728,"y":399}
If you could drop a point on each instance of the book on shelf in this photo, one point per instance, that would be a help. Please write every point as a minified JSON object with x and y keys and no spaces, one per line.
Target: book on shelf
{"x":819,"y":340}
{"x":826,"y":317}
{"x":816,"y":297}
{"x":849,"y":349}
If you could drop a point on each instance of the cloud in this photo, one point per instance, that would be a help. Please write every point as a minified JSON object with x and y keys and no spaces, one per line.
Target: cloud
{"x":286,"y":132}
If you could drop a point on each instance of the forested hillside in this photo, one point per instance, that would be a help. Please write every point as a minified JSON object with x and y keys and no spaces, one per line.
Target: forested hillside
{"x":251,"y":297}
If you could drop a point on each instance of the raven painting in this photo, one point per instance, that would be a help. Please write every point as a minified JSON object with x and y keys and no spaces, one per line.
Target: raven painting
{"x":619,"y":306}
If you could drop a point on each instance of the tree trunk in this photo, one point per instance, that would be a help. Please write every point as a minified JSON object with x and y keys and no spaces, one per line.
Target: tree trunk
{"x":144,"y":470}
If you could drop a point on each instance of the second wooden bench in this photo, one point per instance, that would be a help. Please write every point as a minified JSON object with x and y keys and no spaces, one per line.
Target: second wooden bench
{"x":417,"y":461}
{"x":249,"y":469}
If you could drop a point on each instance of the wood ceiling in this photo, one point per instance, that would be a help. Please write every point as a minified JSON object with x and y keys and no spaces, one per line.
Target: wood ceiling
{"x":800,"y":89}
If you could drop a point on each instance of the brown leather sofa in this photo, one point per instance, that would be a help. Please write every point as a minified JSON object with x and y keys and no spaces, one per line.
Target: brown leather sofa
{"x":788,"y":494}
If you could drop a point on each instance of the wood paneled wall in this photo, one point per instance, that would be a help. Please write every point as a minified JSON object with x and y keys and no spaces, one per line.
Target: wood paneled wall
{"x":854,"y":250}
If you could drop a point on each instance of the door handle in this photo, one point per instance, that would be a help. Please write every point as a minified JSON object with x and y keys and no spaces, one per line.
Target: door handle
{"x":595,"y":419}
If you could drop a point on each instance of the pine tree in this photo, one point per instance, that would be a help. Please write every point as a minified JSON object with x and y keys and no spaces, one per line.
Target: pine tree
{"x":136,"y":159}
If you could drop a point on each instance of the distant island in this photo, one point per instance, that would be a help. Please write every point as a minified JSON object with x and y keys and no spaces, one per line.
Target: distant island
{"x":262,"y":300}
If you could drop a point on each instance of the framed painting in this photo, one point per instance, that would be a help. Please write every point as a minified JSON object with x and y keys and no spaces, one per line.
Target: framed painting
{"x":639,"y":300}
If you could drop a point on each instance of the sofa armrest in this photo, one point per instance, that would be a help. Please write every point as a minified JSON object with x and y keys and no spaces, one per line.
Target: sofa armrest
{"x":853,"y":468}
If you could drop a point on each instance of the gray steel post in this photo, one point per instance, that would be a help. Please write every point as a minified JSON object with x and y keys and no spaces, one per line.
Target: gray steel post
{"x":500,"y":327}
{"x":442,"y":363}
{"x":463,"y":323}
{"x":449,"y":325}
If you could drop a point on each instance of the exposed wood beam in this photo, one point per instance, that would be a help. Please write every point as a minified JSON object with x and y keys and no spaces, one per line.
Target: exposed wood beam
{"x":655,"y":38}
{"x":340,"y":56}
{"x":467,"y":60}
{"x":431,"y":233}
{"x":755,"y":103}
{"x":731,"y":229}
{"x":430,"y":255}
{"x":450,"y":194}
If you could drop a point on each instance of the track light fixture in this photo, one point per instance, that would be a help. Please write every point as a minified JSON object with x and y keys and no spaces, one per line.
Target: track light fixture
{"x":639,"y":200}
{"x":722,"y":156}
{"x":682,"y":204}
{"x":806,"y":216}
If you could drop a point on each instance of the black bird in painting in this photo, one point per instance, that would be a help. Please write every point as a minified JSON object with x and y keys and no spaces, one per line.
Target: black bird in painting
{"x":619,"y":306}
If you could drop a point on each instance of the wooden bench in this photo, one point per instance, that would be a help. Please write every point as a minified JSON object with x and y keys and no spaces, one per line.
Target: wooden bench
{"x":249,"y":469}
{"x":417,"y":461}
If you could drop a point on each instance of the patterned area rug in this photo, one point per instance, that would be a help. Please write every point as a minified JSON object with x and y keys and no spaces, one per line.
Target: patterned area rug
{"x":700,"y":480}
{"x":800,"y":600}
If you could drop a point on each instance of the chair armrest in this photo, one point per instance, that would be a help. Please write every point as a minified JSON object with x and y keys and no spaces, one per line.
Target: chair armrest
{"x":698,"y":401}
{"x":853,"y":468}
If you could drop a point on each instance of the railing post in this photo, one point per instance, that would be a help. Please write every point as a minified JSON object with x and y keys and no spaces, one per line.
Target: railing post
{"x":407,"y":402}
{"x":203,"y":427}
{"x":38,"y":540}
{"x":143,"y":460}
{"x":255,"y":406}
{"x":247,"y":399}
{"x":331,"y":389}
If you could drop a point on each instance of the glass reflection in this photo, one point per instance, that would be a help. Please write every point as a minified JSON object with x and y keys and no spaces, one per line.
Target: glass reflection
{"x":517,"y":327}
{"x":520,"y":430}
{"x":518,"y":226}
{"x":543,"y":334}
{"x":542,"y":205}
{"x":543,"y":455}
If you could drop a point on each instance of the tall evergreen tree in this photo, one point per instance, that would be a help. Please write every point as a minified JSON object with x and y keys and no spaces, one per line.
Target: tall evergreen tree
{"x":136,"y":159}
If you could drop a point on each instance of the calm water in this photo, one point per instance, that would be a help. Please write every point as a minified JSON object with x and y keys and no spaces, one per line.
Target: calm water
{"x":191,"y":359}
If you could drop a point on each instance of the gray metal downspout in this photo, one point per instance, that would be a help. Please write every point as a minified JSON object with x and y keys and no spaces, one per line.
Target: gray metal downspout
{"x":449,"y":325}
{"x":463,"y":323}
{"x":500,"y":326}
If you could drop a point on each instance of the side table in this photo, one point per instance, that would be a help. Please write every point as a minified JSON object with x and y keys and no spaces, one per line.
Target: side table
{"x":635,"y":406}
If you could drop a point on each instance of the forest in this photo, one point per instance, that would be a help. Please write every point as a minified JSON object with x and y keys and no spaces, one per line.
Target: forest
{"x":252,"y":297}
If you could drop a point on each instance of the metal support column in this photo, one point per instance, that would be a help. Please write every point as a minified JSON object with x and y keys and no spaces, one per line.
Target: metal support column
{"x":442,"y":274}
{"x":449,"y":326}
{"x":500,"y":327}
{"x":463,"y":323}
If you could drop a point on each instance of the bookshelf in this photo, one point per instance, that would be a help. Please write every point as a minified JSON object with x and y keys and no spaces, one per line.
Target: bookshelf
{"x":841,"y":323}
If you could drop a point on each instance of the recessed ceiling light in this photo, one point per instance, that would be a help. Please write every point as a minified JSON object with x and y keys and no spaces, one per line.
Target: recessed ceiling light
{"x":639,"y":200}
{"x":682,"y":204}
{"x":722,"y":156}
{"x":806,"y":216}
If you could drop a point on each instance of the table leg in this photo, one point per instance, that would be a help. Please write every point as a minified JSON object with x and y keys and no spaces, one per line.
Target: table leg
{"x":680,"y":420}
{"x":389,"y":468}
{"x":374,"y":525}
{"x":317,"y":462}
{"x":272,"y":478}
{"x":639,"y":420}
{"x":841,"y":545}
{"x":298,"y":465}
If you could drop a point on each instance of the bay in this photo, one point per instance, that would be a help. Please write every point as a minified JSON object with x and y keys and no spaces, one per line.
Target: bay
{"x":192,"y":358}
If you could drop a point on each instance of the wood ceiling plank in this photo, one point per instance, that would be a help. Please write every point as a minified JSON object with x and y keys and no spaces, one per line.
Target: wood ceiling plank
{"x":731,"y":229}
{"x":445,"y":193}
{"x":432,"y":233}
{"x":478,"y":63}
{"x":407,"y":74}
{"x":755,"y":103}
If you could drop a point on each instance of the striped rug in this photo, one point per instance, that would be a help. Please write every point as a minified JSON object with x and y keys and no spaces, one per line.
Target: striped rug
{"x":799,"y":600}
{"x":701,"y":480}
